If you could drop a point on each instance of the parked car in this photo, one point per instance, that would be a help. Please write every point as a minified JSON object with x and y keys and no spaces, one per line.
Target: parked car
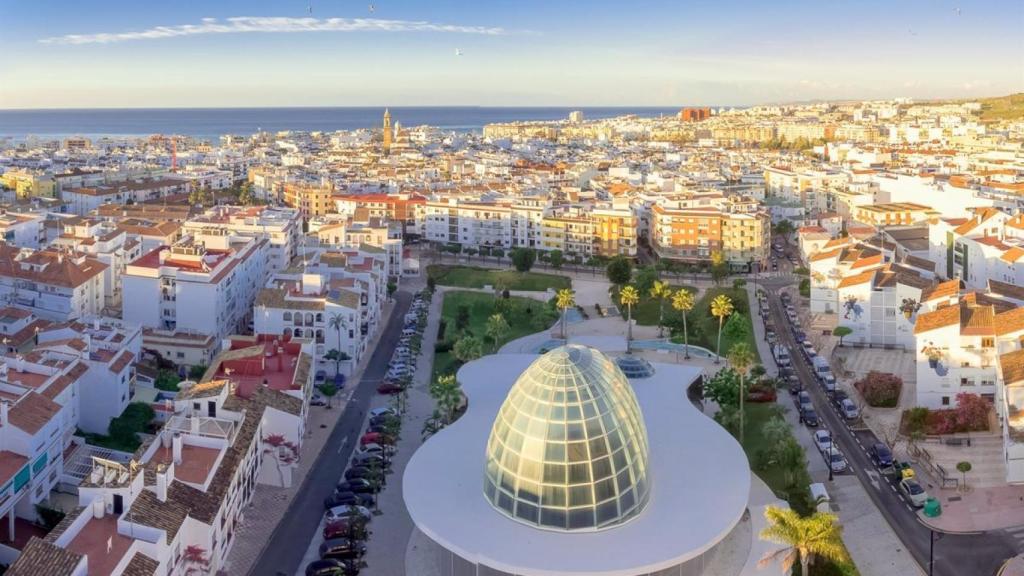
{"x":347,"y":498}
{"x":357,"y":472}
{"x":317,"y":400}
{"x":345,"y":528}
{"x":835,"y":459}
{"x":382,"y":420}
{"x":357,"y":485}
{"x":390,"y":388}
{"x":331,"y":567}
{"x":914,"y":492}
{"x":838,"y":396}
{"x":365,"y":459}
{"x":342,"y":549}
{"x":803,"y":401}
{"x":347,"y":511}
{"x":810,"y":418}
{"x":849,"y":410}
{"x":794,"y":384}
{"x":823,"y":440}
{"x":808,"y":349}
{"x":376,"y":438}
{"x":374,"y":448}
{"x":382,"y":411}
{"x":880,"y":455}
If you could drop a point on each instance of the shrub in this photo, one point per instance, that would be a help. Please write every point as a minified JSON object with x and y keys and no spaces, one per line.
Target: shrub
{"x":916,"y":419}
{"x":880,"y":389}
{"x":971,"y":413}
{"x":442,"y":346}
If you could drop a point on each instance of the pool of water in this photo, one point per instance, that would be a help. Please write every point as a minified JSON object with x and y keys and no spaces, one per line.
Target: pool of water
{"x":671,"y":347}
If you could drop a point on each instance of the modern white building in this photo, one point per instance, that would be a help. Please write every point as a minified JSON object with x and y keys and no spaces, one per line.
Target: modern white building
{"x":563,"y":466}
{"x":281,"y":227}
{"x":51,"y":284}
{"x":203,"y":284}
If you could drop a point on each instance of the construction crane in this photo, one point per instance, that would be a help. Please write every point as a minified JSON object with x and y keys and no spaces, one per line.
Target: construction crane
{"x":173,"y":140}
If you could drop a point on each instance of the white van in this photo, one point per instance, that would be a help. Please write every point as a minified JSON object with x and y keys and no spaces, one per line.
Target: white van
{"x":820,"y":495}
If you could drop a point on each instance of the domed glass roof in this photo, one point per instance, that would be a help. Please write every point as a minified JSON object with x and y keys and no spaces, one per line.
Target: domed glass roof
{"x":568,"y":449}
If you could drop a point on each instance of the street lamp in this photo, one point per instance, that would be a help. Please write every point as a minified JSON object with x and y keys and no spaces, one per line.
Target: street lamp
{"x":932,"y":538}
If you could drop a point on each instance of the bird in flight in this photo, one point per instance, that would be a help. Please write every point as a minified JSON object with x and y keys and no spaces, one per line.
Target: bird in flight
{"x":458,"y":51}
{"x":372,"y":8}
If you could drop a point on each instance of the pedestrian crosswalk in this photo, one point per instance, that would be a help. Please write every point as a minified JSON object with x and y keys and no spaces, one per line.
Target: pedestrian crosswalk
{"x":1017,"y":533}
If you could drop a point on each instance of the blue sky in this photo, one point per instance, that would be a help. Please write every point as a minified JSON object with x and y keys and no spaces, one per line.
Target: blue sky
{"x":115,"y":53}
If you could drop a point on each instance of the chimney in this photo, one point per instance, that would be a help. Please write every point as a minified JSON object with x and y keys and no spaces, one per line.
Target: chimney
{"x":4,"y":407}
{"x":176,"y":450}
{"x":162,"y":480}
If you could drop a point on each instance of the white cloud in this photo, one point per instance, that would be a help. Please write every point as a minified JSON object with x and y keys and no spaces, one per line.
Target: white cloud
{"x":245,"y":24}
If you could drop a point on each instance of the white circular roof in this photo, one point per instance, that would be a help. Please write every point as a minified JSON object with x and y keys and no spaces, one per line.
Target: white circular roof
{"x":568,"y":449}
{"x":692,"y":504}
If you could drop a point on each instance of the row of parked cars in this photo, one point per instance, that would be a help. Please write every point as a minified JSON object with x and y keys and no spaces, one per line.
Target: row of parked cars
{"x":349,"y":509}
{"x":403,"y":358}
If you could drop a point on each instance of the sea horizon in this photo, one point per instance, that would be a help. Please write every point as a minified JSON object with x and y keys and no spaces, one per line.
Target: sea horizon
{"x":209,"y":123}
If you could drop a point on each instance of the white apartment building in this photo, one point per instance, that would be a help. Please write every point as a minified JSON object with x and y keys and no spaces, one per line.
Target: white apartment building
{"x":347,"y":287}
{"x":106,"y":243}
{"x":214,"y":279}
{"x":51,"y":284}
{"x":469,"y":223}
{"x":177,"y":511}
{"x":282,"y":227}
{"x":987,"y":245}
{"x":336,"y":231}
{"x":82,"y":201}
{"x":22,"y":229}
{"x":108,"y":348}
{"x":186,"y":349}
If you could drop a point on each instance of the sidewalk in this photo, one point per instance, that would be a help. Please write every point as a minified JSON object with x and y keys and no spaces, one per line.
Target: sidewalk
{"x":979,"y":510}
{"x":269,"y":503}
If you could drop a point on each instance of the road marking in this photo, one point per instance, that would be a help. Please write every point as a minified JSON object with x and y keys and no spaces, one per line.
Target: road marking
{"x":344,"y":443}
{"x":873,"y":477}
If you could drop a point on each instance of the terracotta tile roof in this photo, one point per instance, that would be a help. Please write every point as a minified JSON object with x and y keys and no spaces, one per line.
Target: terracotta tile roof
{"x":32,"y":412}
{"x":65,"y":522}
{"x":1014,"y":254}
{"x":141,"y":565}
{"x":945,"y":316}
{"x":918,"y":262}
{"x":124,"y":359}
{"x":1006,"y":289}
{"x":168,"y":516}
{"x":857,"y":279}
{"x":1012,"y":366}
{"x":1010,"y":321}
{"x":977,"y":320}
{"x":942,"y":290}
{"x":212,"y":388}
{"x":40,"y":557}
{"x":48,"y":267}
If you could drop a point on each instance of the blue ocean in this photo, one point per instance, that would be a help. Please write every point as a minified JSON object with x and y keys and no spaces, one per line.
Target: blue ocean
{"x":211,"y":123}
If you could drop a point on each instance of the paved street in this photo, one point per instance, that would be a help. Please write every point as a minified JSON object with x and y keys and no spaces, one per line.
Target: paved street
{"x":288,"y":544}
{"x":955,"y":555}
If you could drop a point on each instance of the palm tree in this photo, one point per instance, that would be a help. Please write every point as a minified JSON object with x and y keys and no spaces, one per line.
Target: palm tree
{"x":447,"y":396}
{"x":804,"y":537}
{"x":683,"y":301}
{"x":565,"y":299}
{"x":497,"y":329}
{"x":721,"y":307}
{"x":741,"y":359}
{"x":661,"y":292}
{"x":628,"y":296}
{"x":337,"y":321}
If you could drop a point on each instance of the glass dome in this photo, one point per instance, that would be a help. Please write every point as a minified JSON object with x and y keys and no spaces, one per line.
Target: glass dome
{"x":634,"y":367}
{"x":568,"y":448}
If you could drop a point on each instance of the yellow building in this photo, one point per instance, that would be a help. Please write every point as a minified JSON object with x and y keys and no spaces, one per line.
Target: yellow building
{"x":312,"y":199}
{"x":568,"y":230}
{"x":27,"y":184}
{"x":615,"y":231}
{"x":892,"y":214}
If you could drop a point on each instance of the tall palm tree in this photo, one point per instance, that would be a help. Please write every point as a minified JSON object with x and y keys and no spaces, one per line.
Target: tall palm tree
{"x":721,"y":307}
{"x":337,"y":321}
{"x":683,"y":301}
{"x":660,"y":291}
{"x":816,"y":535}
{"x":628,"y":297}
{"x":741,"y":359}
{"x":565,"y":299}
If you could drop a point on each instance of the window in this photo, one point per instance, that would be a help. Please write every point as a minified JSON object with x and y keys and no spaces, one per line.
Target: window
{"x":945,"y":400}
{"x":180,"y":354}
{"x":988,"y":342}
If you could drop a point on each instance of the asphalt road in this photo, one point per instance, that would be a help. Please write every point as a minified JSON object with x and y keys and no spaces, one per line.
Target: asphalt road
{"x":291,"y":538}
{"x":955,"y":554}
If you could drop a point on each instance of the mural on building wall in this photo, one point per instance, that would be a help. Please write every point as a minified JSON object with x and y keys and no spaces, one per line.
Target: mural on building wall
{"x":852,"y":307}
{"x":935,"y":357}
{"x":909,"y":308}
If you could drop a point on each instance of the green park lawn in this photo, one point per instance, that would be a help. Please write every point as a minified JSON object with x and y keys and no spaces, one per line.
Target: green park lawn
{"x":524,"y":316}
{"x":646,"y":312}
{"x":472,"y":277}
{"x":703,"y":327}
